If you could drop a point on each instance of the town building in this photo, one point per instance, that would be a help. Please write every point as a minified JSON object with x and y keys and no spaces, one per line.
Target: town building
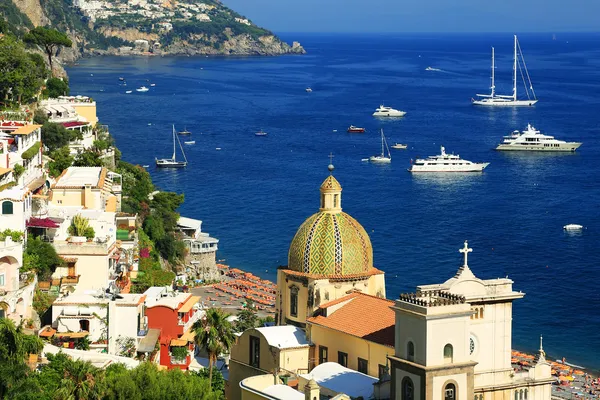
{"x":16,"y":289}
{"x":173,"y":317}
{"x":453,"y":342}
{"x":283,"y":350}
{"x":330,"y":256}
{"x":21,"y":145}
{"x":201,"y":261}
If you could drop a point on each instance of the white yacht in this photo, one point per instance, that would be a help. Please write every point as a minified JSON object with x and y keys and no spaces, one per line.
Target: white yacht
{"x":498,"y":100}
{"x":142,"y":89}
{"x":446,"y":163}
{"x":532,"y":140}
{"x":384,"y":111}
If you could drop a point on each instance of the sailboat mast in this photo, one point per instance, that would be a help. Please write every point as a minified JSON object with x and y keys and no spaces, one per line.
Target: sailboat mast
{"x":515,"y":72}
{"x":173,"y":158}
{"x":382,"y":153}
{"x":493,"y":79}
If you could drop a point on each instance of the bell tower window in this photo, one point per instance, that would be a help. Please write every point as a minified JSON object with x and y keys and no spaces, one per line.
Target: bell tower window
{"x":448,"y":354}
{"x":294,"y":301}
{"x":410,"y":351}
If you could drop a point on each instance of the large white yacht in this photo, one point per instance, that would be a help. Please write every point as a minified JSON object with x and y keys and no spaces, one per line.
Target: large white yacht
{"x":384,"y":111}
{"x":445,"y":163}
{"x":532,"y":140}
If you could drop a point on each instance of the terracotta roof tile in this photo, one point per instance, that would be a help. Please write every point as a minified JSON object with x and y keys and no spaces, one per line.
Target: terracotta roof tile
{"x":364,"y":316}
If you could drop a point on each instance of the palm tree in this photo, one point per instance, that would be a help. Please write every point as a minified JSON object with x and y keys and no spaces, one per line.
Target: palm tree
{"x":214,"y":334}
{"x":81,"y":381}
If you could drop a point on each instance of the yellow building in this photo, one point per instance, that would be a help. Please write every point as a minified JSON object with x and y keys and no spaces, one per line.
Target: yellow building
{"x":330,"y":256}
{"x":281,"y":351}
{"x":88,"y":187}
{"x":356,"y":331}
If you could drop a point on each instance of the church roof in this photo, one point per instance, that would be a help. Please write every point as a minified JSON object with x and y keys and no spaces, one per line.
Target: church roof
{"x":331,"y":244}
{"x":362,"y":315}
{"x":330,"y":183}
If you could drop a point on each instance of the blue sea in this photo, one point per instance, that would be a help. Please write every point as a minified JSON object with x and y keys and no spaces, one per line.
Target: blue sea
{"x":255,"y":192}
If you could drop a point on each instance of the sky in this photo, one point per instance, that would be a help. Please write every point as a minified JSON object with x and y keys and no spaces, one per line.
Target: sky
{"x":421,"y":15}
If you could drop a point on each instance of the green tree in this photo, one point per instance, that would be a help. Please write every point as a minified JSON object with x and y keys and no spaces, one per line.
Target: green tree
{"x":215,"y":335}
{"x":218,"y":382}
{"x":247,"y":318}
{"x":49,"y":40}
{"x":61,"y":160}
{"x":81,"y":381}
{"x":56,"y":87}
{"x":88,"y":158}
{"x":40,"y":116}
{"x":20,"y":76}
{"x":55,"y":136}
{"x":47,"y":258}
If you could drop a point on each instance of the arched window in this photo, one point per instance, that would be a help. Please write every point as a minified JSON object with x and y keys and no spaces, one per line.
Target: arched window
{"x":410,"y":351}
{"x":294,"y":301}
{"x":516,"y":395}
{"x":525,"y":398}
{"x":7,"y":207}
{"x":448,"y":353}
{"x":408,"y":389}
{"x":481,"y":312}
{"x":450,"y":392}
{"x":521,"y":394}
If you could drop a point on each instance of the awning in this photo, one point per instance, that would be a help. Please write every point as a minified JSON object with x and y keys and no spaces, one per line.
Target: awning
{"x":73,"y":335}
{"x":178,"y":342}
{"x":5,"y":171}
{"x":47,"y":332}
{"x":187,"y":306}
{"x":37,"y":183}
{"x":188,"y":336}
{"x":74,"y":124}
{"x":148,"y":343}
{"x":41,"y":223}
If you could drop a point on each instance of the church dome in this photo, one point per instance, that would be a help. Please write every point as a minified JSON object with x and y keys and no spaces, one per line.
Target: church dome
{"x":331,"y":242}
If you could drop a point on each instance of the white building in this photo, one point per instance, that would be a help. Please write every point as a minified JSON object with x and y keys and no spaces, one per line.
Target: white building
{"x":243,"y":21}
{"x":202,"y":249}
{"x":453,"y":341}
{"x":16,"y":290}
{"x":22,"y":146}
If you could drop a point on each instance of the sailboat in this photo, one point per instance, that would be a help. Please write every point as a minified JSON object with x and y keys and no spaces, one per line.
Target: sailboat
{"x":172,"y":162}
{"x":382,"y":158}
{"x":498,"y":100}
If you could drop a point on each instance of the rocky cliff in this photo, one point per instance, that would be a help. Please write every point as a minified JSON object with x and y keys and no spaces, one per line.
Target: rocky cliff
{"x":155,"y":27}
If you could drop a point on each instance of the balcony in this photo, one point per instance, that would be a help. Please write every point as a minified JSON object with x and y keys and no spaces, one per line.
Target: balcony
{"x":175,"y":361}
{"x":64,"y":248}
{"x":188,"y":325}
{"x":70,"y":280}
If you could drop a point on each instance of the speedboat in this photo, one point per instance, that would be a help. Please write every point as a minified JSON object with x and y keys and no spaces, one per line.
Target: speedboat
{"x":355,"y":129}
{"x":384,"y":111}
{"x":142,"y":89}
{"x":432,"y":69}
{"x":121,"y":78}
{"x":446,"y":163}
{"x":573,"y":227}
{"x":261,"y":133}
{"x":184,"y":132}
{"x":399,"y":146}
{"x":533,"y":140}
{"x":129,"y":91}
{"x":308,"y":89}
{"x":152,"y":84}
{"x":190,"y":142}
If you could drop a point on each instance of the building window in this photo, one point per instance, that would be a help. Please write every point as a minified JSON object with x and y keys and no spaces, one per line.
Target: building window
{"x":525,"y":394}
{"x":84,"y":325}
{"x":516,"y":395}
{"x":448,"y":353}
{"x":322,"y":354}
{"x":521,"y":394}
{"x":381,"y":371}
{"x":2,"y":282}
{"x":363,"y":366}
{"x":7,"y":207}
{"x":408,"y":392}
{"x":336,"y":200}
{"x":481,"y":312}
{"x":322,"y":201}
{"x":450,"y":392}
{"x":294,"y":301}
{"x":254,"y":351}
{"x":343,"y":359}
{"x":410,"y":351}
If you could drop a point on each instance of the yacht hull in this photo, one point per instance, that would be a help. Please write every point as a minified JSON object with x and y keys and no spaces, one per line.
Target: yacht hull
{"x":476,"y":167}
{"x":389,"y":114}
{"x":504,"y":103}
{"x":171,"y":165}
{"x":563,"y":147}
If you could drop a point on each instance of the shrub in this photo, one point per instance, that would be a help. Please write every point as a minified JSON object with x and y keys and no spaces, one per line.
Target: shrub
{"x":31,"y":152}
{"x":80,"y":226}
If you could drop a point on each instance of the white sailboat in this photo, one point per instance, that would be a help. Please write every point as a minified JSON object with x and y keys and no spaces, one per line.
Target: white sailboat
{"x":172,"y":162}
{"x":382,"y":158}
{"x":498,"y":100}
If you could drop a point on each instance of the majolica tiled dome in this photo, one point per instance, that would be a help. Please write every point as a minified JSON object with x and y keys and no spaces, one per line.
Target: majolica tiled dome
{"x":331,"y":242}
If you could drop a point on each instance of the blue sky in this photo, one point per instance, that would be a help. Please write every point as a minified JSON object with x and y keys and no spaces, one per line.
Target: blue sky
{"x":421,"y":15}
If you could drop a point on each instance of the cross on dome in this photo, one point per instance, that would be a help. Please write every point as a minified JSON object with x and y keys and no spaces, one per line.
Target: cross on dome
{"x":466,"y":250}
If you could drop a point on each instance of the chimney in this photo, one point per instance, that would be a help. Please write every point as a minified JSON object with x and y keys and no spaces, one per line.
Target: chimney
{"x":311,"y":390}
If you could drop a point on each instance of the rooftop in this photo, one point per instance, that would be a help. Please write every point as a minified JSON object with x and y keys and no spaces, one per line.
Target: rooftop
{"x":340,"y":379}
{"x":284,"y":336}
{"x":26,"y":129}
{"x":174,"y":302}
{"x":283,"y":392}
{"x":79,"y":177}
{"x":189,"y":223}
{"x":358,"y":314}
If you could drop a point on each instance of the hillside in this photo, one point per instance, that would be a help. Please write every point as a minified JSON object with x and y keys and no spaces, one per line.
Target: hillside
{"x":124,"y":27}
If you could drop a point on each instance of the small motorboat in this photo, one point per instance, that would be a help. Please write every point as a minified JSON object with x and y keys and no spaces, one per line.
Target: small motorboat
{"x":190,"y":142}
{"x":184,"y":132}
{"x":573,"y":227}
{"x":142,"y":89}
{"x":308,"y":90}
{"x":121,"y":78}
{"x":355,"y":129}
{"x":129,"y":91}
{"x":261,"y":133}
{"x":399,"y":146}
{"x":152,"y":84}
{"x":145,"y":166}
